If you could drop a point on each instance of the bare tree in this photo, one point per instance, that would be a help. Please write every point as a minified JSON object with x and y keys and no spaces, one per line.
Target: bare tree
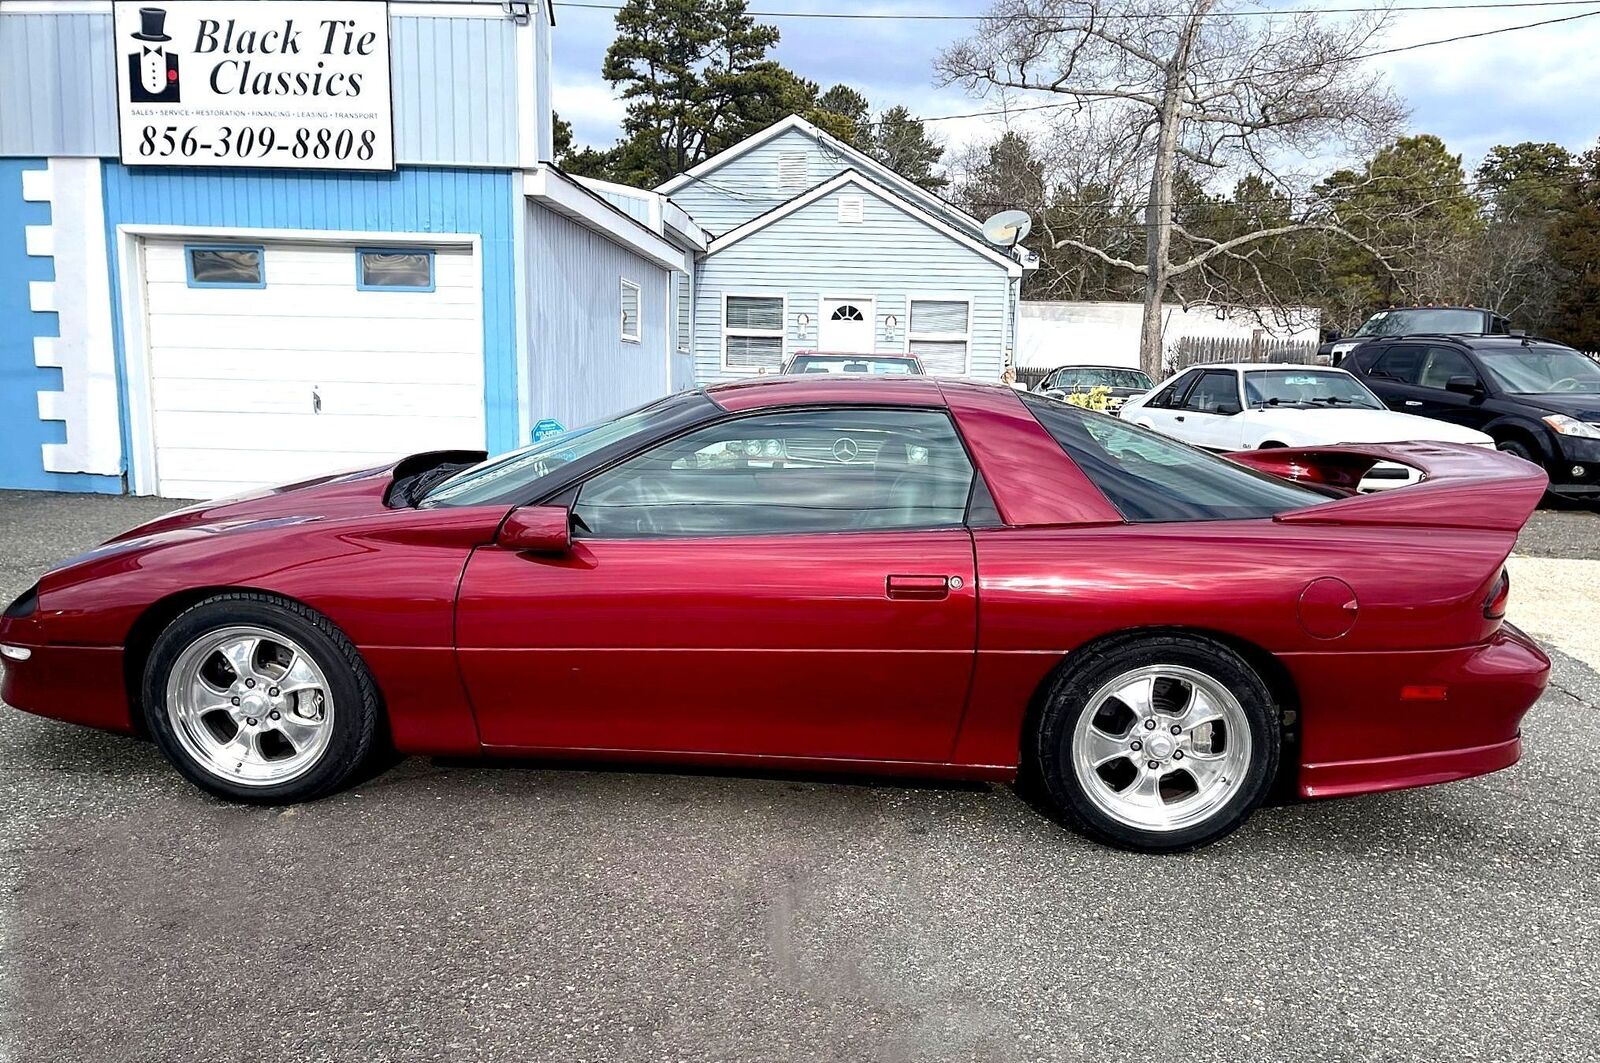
{"x":1195,"y":91}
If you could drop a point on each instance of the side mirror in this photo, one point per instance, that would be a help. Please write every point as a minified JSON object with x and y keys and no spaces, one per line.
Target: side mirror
{"x":1334,"y":335}
{"x":1228,"y":409}
{"x":1464,"y":385}
{"x":1055,"y":393}
{"x":538,"y":530}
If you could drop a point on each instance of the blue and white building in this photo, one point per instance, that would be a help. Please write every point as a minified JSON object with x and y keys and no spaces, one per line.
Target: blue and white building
{"x":809,"y":244}
{"x":224,"y":318}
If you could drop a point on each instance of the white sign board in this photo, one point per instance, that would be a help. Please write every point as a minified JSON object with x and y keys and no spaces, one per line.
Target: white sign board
{"x":282,"y":84}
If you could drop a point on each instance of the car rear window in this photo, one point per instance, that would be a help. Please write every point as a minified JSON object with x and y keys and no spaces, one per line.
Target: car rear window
{"x":1151,"y":478}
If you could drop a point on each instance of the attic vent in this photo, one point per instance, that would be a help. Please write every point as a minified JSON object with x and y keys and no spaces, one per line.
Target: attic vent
{"x":793,"y":171}
{"x":851,"y":210}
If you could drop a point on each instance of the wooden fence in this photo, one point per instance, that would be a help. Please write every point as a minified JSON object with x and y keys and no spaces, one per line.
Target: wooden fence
{"x":1197,"y":350}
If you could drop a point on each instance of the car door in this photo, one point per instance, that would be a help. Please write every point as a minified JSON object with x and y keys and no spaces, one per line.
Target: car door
{"x":1160,"y":410}
{"x":1440,"y":365}
{"x":1210,"y":415}
{"x":789,"y":583}
{"x":1393,"y":374}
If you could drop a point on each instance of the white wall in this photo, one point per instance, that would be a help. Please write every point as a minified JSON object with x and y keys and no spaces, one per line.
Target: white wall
{"x":1053,"y":333}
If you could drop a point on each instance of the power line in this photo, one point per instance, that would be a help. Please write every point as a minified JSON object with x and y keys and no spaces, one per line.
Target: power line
{"x":590,"y":5}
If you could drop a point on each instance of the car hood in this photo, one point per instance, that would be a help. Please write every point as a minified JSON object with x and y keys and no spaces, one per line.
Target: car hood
{"x":1583,"y":407}
{"x":345,"y":494}
{"x":1313,"y":426}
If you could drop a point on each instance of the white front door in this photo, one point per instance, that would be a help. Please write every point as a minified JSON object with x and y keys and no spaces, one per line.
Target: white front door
{"x":845,"y":326}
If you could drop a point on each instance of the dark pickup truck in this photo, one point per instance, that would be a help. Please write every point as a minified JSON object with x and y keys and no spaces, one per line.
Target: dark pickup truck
{"x":1416,"y":321}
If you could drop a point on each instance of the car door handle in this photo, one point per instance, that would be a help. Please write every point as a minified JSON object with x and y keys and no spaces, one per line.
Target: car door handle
{"x":1413,"y":402}
{"x":922,"y":588}
{"x":1178,"y":418}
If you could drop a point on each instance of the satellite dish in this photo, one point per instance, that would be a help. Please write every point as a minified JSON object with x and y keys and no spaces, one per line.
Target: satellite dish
{"x":1007,"y":228}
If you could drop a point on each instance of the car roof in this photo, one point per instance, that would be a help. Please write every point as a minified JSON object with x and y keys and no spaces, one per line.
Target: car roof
{"x":1262,"y":367}
{"x":1081,"y":365}
{"x":802,"y":389}
{"x":1509,"y":344}
{"x":854,"y":354}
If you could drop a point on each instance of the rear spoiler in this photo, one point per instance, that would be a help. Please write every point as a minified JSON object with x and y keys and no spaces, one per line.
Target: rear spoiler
{"x":1462,"y":486}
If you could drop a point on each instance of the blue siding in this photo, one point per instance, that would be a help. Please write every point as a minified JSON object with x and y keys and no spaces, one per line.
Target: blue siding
{"x":409,"y":200}
{"x":580,"y":368}
{"x":892,"y":256}
{"x":455,"y":78}
{"x":21,"y":431}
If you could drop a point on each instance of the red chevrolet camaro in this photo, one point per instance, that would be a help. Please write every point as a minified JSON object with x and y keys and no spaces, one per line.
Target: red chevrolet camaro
{"x":897,"y":575}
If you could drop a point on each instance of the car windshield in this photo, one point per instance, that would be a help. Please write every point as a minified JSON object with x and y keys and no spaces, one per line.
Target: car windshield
{"x":1096,"y":377}
{"x":1542,"y":371}
{"x":1306,"y":389}
{"x":814,"y":363}
{"x":1411,"y":322}
{"x":492,"y":480}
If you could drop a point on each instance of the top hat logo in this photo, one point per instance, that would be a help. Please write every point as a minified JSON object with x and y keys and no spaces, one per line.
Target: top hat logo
{"x":152,"y":68}
{"x":152,"y":25}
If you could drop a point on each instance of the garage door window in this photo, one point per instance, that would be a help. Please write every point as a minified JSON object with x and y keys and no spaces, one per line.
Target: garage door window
{"x":393,"y":270}
{"x":226,"y":266}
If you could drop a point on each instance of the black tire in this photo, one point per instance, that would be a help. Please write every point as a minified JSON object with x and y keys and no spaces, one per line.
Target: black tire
{"x":356,"y":725}
{"x":1093,"y":668}
{"x":1517,"y":449}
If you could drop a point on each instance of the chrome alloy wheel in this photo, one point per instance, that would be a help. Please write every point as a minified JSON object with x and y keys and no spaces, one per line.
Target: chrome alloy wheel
{"x":1161,"y":748}
{"x":250,"y":706}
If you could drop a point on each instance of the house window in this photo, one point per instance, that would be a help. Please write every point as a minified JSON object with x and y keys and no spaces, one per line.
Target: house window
{"x":752,"y":332}
{"x":225,"y":266}
{"x":852,"y":210}
{"x":939,"y":334}
{"x":794,"y":170}
{"x":684,"y":294}
{"x":630,"y":311}
{"x":846,"y":312}
{"x":394,"y":270}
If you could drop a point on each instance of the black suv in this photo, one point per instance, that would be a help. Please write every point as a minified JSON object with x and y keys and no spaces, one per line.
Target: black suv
{"x":1538,"y":399}
{"x":1415,"y":321}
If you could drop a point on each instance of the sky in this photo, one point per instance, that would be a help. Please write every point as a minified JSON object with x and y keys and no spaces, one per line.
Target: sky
{"x":1535,"y":84}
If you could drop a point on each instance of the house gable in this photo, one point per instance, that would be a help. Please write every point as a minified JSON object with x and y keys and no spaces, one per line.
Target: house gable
{"x":780,"y":162}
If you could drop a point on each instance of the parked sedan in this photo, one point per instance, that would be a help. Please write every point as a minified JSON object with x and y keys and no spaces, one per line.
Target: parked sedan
{"x":1121,"y":384}
{"x":868,"y":364}
{"x":1009,"y":586}
{"x":1251,"y":406}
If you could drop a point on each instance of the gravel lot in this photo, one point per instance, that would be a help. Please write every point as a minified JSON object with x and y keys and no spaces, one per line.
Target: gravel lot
{"x":461,"y":912}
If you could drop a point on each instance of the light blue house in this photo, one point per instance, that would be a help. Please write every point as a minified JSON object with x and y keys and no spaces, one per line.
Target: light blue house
{"x":812,"y":245}
{"x":183,"y":315}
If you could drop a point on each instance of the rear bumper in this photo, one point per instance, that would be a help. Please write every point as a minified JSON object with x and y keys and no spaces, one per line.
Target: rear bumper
{"x":1360,"y":734}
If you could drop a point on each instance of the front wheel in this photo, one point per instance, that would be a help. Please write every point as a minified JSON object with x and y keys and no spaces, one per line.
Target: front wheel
{"x":1158,"y":744}
{"x":1516,"y":449}
{"x":260,"y":700}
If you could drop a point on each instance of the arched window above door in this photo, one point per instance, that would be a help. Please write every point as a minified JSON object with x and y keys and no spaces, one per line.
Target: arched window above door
{"x":846,"y":312}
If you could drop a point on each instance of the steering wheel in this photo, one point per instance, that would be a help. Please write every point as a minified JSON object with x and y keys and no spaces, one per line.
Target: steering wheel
{"x":1567,"y":383}
{"x":648,"y":495}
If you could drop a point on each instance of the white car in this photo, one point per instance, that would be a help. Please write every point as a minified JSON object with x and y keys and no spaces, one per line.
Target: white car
{"x":1248,"y":406}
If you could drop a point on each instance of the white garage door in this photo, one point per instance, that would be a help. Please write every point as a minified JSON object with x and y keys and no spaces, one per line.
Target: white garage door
{"x":308,"y":373}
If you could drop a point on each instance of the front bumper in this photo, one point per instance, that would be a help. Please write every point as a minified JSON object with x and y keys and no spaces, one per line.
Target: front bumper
{"x":1361,"y":734}
{"x":78,"y":684}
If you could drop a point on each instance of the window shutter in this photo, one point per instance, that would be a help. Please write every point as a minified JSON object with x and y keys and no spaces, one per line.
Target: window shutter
{"x":851,"y":210}
{"x":685,"y":311}
{"x":938,"y":316}
{"x":755,"y":312}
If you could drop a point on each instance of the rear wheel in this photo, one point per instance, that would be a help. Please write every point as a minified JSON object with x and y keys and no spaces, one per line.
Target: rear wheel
{"x":1158,"y":744}
{"x":260,"y":700}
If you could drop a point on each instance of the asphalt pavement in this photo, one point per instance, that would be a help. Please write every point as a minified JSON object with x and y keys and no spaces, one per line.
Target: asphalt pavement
{"x":457,"y":911}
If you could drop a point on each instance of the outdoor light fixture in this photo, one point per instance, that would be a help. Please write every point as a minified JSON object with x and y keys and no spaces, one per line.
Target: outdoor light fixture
{"x":803,"y":320}
{"x":890,"y":322}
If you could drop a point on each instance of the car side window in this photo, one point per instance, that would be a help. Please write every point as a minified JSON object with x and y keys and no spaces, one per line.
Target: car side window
{"x":1173,"y":394}
{"x":801,"y":471}
{"x":1402,"y":364}
{"x":1441,"y":364}
{"x":1216,"y":393}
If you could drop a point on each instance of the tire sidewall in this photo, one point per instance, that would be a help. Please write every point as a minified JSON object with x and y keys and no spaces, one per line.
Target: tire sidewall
{"x":1069,"y":699}
{"x":354,"y":717}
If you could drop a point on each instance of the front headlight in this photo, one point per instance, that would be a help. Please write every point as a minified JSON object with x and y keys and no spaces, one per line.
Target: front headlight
{"x":1571,"y":426}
